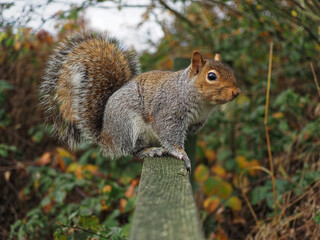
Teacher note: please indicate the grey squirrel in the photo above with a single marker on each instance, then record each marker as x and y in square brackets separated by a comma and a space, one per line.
[93, 89]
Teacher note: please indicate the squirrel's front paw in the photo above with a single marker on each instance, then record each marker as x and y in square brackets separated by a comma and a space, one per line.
[152, 152]
[178, 152]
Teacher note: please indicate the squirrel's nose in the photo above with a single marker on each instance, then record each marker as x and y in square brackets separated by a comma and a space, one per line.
[236, 92]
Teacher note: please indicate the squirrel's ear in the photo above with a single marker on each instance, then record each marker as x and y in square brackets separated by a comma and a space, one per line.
[197, 62]
[217, 57]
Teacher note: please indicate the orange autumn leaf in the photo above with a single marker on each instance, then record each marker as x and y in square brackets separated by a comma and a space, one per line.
[44, 159]
[47, 208]
[104, 205]
[106, 189]
[78, 172]
[254, 163]
[201, 144]
[278, 115]
[220, 171]
[242, 162]
[130, 191]
[211, 155]
[135, 182]
[90, 168]
[122, 205]
[64, 153]
[211, 204]
[219, 235]
[76, 169]
[61, 163]
[17, 45]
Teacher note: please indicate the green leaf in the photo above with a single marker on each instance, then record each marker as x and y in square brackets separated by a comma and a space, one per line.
[211, 185]
[90, 222]
[114, 233]
[130, 204]
[59, 196]
[111, 220]
[3, 153]
[84, 211]
[59, 235]
[224, 155]
[37, 136]
[234, 203]
[45, 201]
[230, 165]
[73, 215]
[4, 85]
[283, 125]
[316, 218]
[224, 190]
[258, 194]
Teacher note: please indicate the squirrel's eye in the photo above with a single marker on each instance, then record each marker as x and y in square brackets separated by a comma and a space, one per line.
[212, 76]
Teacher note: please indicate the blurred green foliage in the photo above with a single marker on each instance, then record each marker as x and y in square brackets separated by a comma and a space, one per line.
[79, 195]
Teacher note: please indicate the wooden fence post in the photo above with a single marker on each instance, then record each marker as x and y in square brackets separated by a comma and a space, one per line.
[165, 206]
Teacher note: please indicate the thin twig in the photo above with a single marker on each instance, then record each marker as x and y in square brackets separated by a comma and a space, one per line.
[18, 165]
[243, 188]
[84, 230]
[81, 192]
[250, 208]
[315, 77]
[268, 140]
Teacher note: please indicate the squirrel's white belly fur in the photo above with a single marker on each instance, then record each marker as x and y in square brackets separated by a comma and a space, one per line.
[142, 129]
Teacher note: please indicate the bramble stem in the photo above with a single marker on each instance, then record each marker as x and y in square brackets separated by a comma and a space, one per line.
[268, 139]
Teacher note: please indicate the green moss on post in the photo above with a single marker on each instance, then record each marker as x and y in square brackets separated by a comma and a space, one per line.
[165, 206]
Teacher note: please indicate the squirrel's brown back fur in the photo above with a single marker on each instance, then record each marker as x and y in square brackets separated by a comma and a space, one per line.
[81, 75]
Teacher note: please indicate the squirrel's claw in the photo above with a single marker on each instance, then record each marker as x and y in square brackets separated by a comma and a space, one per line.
[188, 164]
[179, 153]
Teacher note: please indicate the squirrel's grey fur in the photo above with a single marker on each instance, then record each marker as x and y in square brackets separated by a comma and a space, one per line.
[93, 90]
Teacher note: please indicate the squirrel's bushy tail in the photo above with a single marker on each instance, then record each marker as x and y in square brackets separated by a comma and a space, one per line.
[81, 75]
